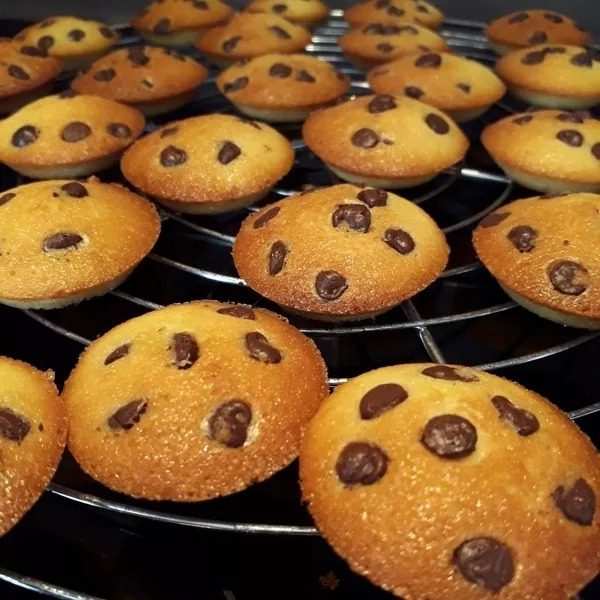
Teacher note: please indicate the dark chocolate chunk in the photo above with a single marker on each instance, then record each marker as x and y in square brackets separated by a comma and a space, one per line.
[305, 76]
[33, 51]
[45, 42]
[596, 150]
[17, 72]
[398, 239]
[553, 18]
[428, 61]
[379, 29]
[394, 11]
[583, 59]
[449, 436]
[422, 9]
[137, 56]
[577, 503]
[465, 87]
[574, 117]
[523, 237]
[119, 130]
[280, 70]
[266, 216]
[412, 91]
[230, 44]
[518, 18]
[13, 427]
[277, 257]
[185, 350]
[260, 349]
[538, 37]
[361, 463]
[167, 131]
[236, 85]
[5, 198]
[173, 157]
[330, 285]
[486, 562]
[228, 152]
[373, 197]
[384, 47]
[279, 32]
[279, 8]
[569, 278]
[76, 35]
[119, 352]
[494, 219]
[128, 415]
[450, 373]
[356, 216]
[571, 137]
[106, 32]
[162, 26]
[522, 120]
[75, 132]
[240, 312]
[521, 420]
[381, 103]
[364, 138]
[380, 399]
[533, 58]
[229, 423]
[74, 189]
[61, 240]
[437, 124]
[105, 75]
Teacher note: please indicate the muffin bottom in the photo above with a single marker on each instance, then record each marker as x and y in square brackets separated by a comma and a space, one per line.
[213, 208]
[551, 101]
[381, 182]
[74, 63]
[165, 105]
[176, 39]
[333, 318]
[275, 115]
[503, 49]
[462, 116]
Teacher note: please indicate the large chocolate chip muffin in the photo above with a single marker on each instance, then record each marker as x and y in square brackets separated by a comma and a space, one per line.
[439, 482]
[193, 401]
[390, 11]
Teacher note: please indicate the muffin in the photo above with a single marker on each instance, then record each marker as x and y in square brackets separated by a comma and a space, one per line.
[75, 42]
[548, 150]
[67, 136]
[247, 35]
[553, 76]
[153, 80]
[371, 140]
[178, 22]
[26, 73]
[370, 45]
[375, 11]
[439, 482]
[462, 88]
[544, 253]
[341, 253]
[533, 27]
[280, 87]
[65, 241]
[301, 12]
[193, 401]
[33, 429]
[208, 164]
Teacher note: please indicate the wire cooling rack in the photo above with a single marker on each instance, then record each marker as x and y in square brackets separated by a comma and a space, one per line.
[462, 318]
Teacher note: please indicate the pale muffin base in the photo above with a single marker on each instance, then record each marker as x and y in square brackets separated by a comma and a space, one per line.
[362, 64]
[151, 109]
[213, 208]
[550, 101]
[73, 63]
[337, 318]
[275, 115]
[176, 39]
[502, 49]
[13, 103]
[462, 116]
[381, 182]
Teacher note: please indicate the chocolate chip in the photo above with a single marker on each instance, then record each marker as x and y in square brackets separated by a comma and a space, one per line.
[494, 219]
[428, 61]
[282, 34]
[200, 4]
[33, 51]
[465, 87]
[277, 257]
[236, 85]
[382, 4]
[596, 151]
[67, 94]
[411, 30]
[74, 189]
[229, 45]
[522, 120]
[380, 399]
[571, 137]
[449, 436]
[583, 59]
[394, 11]
[384, 47]
[379, 29]
[61, 240]
[574, 117]
[117, 353]
[422, 8]
[364, 138]
[17, 72]
[24, 136]
[45, 42]
[280, 70]
[556, 19]
[305, 76]
[437, 124]
[76, 35]
[229, 423]
[523, 237]
[356, 216]
[538, 37]
[137, 56]
[361, 463]
[184, 349]
[279, 8]
[240, 312]
[412, 91]
[119, 130]
[5, 198]
[105, 75]
[450, 373]
[521, 420]
[381, 103]
[486, 562]
[373, 197]
[13, 427]
[259, 348]
[398, 239]
[569, 278]
[173, 157]
[330, 285]
[75, 132]
[228, 152]
[106, 32]
[127, 416]
[518, 18]
[265, 217]
[533, 58]
[577, 503]
[162, 26]
[167, 131]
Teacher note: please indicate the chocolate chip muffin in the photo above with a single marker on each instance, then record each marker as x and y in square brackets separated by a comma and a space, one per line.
[153, 80]
[544, 253]
[280, 87]
[369, 45]
[341, 253]
[26, 73]
[75, 42]
[247, 35]
[390, 11]
[193, 401]
[33, 430]
[462, 88]
[300, 12]
[439, 482]
[67, 136]
[371, 140]
[178, 22]
[548, 150]
[208, 164]
[533, 27]
[65, 241]
[553, 76]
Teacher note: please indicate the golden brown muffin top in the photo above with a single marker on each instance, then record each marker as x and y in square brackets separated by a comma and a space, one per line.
[384, 11]
[296, 11]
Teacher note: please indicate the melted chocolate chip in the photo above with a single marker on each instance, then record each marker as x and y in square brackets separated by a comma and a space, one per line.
[137, 56]
[465, 87]
[569, 278]
[364, 138]
[280, 70]
[583, 59]
[450, 373]
[259, 348]
[538, 37]
[279, 8]
[229, 423]
[162, 26]
[422, 8]
[118, 130]
[428, 61]
[356, 216]
[381, 103]
[173, 157]
[596, 151]
[240, 312]
[330, 285]
[128, 415]
[61, 240]
[384, 47]
[305, 76]
[17, 72]
[118, 353]
[76, 35]
[533, 58]
[277, 257]
[574, 117]
[553, 18]
[412, 91]
[518, 18]
[486, 562]
[394, 11]
[45, 42]
[437, 124]
[494, 219]
[522, 120]
[75, 132]
[105, 75]
[236, 85]
[4, 199]
[577, 503]
[449, 436]
[571, 137]
[33, 51]
[74, 189]
[380, 399]
[185, 350]
[106, 32]
[265, 217]
[230, 44]
[523, 237]
[228, 152]
[361, 463]
[279, 32]
[398, 239]
[521, 420]
[373, 197]
[379, 29]
[167, 131]
[13, 427]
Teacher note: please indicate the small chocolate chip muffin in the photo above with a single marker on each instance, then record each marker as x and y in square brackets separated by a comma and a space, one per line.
[67, 136]
[462, 88]
[65, 241]
[75, 42]
[247, 35]
[373, 140]
[439, 482]
[390, 11]
[33, 431]
[26, 74]
[282, 87]
[208, 164]
[178, 22]
[548, 150]
[553, 76]
[534, 27]
[369, 45]
[544, 253]
[304, 13]
[193, 401]
[153, 80]
[341, 253]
